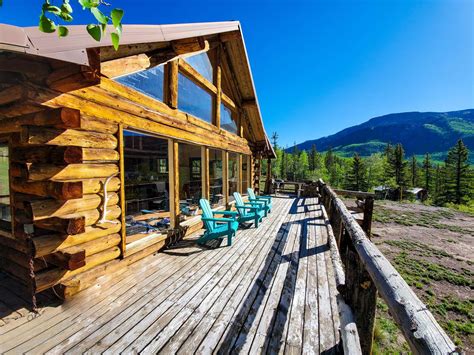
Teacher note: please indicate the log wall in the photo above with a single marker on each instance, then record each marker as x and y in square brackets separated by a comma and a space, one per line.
[59, 162]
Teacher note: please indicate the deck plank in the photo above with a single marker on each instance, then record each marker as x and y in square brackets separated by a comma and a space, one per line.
[272, 291]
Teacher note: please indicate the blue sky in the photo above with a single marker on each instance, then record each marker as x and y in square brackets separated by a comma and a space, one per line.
[321, 66]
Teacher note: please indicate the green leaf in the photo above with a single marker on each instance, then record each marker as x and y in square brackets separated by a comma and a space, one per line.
[95, 31]
[99, 15]
[65, 7]
[46, 25]
[88, 4]
[117, 15]
[52, 9]
[1, 2]
[65, 16]
[115, 40]
[62, 31]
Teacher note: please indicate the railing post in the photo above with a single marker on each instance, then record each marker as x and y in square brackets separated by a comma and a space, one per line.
[361, 295]
[368, 211]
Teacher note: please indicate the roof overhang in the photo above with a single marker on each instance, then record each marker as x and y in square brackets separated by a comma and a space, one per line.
[73, 48]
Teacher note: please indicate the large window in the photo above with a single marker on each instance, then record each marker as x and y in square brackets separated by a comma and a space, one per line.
[245, 173]
[233, 174]
[146, 185]
[215, 178]
[202, 64]
[149, 82]
[190, 178]
[5, 216]
[228, 120]
[193, 99]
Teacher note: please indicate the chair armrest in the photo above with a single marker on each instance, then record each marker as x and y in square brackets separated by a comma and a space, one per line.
[217, 219]
[264, 197]
[257, 201]
[251, 208]
[255, 204]
[230, 213]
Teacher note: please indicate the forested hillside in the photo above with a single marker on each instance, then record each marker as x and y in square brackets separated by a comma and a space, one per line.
[418, 132]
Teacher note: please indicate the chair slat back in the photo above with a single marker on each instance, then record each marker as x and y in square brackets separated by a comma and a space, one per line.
[239, 203]
[207, 213]
[251, 193]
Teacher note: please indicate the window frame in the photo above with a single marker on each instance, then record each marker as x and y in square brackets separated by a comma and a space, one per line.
[6, 226]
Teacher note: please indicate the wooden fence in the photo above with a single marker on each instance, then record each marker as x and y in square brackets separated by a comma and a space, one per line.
[364, 271]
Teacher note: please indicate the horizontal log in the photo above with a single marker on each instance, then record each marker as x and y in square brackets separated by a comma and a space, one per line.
[61, 155]
[144, 243]
[32, 69]
[95, 246]
[54, 189]
[25, 275]
[64, 225]
[186, 45]
[49, 278]
[349, 333]
[12, 94]
[48, 244]
[422, 332]
[16, 257]
[334, 252]
[358, 194]
[92, 217]
[93, 186]
[21, 245]
[42, 209]
[74, 259]
[41, 172]
[84, 280]
[67, 137]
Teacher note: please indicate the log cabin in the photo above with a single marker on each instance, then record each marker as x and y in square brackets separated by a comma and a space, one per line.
[105, 154]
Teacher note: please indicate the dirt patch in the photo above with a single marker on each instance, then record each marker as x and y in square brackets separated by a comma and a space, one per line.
[432, 248]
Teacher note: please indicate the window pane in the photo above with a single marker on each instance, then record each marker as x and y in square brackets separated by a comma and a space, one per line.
[193, 99]
[233, 174]
[245, 173]
[146, 184]
[5, 216]
[202, 64]
[190, 183]
[228, 121]
[215, 177]
[149, 82]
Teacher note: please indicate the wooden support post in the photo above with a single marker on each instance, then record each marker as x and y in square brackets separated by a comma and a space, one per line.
[240, 189]
[173, 159]
[368, 211]
[268, 181]
[218, 84]
[205, 172]
[171, 84]
[123, 232]
[225, 176]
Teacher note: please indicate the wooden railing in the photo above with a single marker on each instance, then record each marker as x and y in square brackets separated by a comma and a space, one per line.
[366, 271]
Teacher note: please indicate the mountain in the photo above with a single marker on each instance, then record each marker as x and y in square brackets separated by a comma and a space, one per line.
[419, 132]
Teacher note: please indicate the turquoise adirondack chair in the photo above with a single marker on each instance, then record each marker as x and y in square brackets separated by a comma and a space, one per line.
[217, 228]
[265, 200]
[248, 211]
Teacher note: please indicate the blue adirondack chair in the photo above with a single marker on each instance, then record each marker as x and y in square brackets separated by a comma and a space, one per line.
[248, 211]
[217, 228]
[266, 201]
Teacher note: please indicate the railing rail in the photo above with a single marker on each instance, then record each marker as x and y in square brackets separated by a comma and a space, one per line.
[368, 271]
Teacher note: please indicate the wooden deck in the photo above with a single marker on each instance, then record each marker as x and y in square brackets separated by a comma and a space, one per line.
[272, 291]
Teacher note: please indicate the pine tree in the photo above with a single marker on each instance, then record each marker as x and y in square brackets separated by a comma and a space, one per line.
[312, 158]
[283, 166]
[457, 174]
[398, 167]
[389, 172]
[357, 177]
[413, 172]
[275, 140]
[439, 196]
[427, 172]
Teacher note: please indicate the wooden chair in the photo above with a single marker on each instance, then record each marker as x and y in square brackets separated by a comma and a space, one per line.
[265, 200]
[217, 228]
[248, 211]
